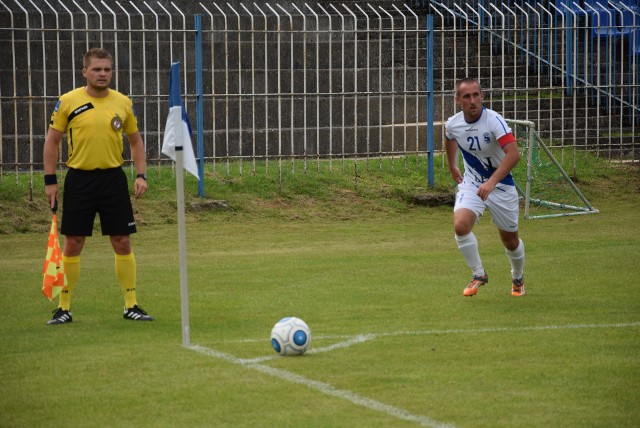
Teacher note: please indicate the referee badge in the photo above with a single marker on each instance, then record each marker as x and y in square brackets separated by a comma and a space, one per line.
[116, 123]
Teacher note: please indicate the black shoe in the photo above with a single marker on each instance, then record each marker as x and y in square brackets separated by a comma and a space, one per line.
[137, 314]
[60, 316]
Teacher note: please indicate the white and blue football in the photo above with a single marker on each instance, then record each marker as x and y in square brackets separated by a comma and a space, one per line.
[291, 336]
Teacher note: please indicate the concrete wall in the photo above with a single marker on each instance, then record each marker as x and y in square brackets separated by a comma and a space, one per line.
[257, 96]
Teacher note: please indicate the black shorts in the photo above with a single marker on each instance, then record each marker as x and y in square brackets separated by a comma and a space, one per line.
[102, 191]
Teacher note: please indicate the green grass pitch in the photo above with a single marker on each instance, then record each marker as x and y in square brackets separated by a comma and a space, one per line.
[394, 341]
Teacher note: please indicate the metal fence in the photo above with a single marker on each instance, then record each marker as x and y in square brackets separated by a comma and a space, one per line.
[322, 82]
[571, 67]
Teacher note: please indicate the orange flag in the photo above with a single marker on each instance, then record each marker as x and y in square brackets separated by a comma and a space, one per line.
[54, 279]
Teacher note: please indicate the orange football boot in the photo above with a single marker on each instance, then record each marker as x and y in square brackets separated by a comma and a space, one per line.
[517, 287]
[476, 282]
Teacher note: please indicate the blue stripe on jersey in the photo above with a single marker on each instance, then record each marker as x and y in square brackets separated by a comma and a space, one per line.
[504, 125]
[484, 171]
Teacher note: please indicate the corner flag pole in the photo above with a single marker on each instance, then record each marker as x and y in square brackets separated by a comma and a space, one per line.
[182, 244]
[182, 239]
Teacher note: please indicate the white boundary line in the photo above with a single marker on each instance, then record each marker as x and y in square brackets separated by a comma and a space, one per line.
[372, 336]
[369, 403]
[515, 329]
[358, 339]
[325, 388]
[355, 340]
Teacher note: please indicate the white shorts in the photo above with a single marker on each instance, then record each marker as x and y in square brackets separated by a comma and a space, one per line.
[503, 204]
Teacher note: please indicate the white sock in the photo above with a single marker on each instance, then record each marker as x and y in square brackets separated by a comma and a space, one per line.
[468, 246]
[516, 259]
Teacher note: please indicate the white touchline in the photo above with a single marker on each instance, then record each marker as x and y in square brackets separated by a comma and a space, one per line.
[397, 412]
[325, 388]
[361, 338]
[516, 329]
[371, 336]
[358, 339]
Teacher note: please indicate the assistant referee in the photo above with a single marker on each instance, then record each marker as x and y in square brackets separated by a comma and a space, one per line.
[94, 117]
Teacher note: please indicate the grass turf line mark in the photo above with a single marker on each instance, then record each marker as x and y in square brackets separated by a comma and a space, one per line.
[358, 339]
[371, 336]
[325, 388]
[511, 329]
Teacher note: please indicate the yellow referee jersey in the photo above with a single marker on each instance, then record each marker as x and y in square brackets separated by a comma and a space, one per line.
[94, 127]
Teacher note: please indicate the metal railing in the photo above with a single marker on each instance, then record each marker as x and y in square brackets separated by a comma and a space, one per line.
[319, 83]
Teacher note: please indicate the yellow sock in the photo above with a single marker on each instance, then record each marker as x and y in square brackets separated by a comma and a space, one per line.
[72, 270]
[126, 274]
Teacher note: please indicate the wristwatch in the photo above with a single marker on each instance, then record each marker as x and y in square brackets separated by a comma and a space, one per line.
[143, 176]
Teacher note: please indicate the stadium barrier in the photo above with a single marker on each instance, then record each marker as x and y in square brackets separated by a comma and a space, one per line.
[327, 82]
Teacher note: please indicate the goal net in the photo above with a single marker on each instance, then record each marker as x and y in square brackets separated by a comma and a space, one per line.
[543, 184]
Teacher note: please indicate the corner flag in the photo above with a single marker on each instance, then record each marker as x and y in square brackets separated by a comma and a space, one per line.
[54, 279]
[177, 145]
[177, 132]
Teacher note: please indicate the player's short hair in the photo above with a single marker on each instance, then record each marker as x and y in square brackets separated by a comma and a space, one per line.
[95, 53]
[466, 80]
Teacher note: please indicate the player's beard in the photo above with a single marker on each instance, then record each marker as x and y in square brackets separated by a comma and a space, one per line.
[474, 112]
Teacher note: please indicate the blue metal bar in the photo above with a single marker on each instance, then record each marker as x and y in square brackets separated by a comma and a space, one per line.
[430, 100]
[569, 53]
[199, 108]
[484, 35]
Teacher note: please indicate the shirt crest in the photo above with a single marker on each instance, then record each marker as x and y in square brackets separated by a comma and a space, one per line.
[116, 123]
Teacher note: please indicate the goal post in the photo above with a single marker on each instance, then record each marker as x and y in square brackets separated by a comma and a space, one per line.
[548, 190]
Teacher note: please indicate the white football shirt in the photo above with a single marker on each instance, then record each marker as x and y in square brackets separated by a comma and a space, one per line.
[481, 144]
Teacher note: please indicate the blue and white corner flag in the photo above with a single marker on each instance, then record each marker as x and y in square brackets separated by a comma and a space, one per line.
[177, 132]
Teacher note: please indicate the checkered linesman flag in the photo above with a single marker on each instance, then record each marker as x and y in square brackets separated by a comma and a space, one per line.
[54, 279]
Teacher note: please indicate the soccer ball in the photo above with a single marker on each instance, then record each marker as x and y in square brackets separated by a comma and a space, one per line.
[290, 336]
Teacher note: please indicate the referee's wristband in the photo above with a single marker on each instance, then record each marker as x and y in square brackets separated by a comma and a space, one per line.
[50, 179]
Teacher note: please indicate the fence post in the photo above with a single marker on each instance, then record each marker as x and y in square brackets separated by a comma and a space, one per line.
[304, 85]
[491, 52]
[158, 125]
[279, 99]
[466, 19]
[429, 66]
[240, 124]
[404, 83]
[393, 90]
[144, 80]
[115, 42]
[291, 87]
[28, 38]
[317, 88]
[442, 81]
[569, 53]
[253, 89]
[59, 91]
[417, 136]
[342, 52]
[330, 72]
[502, 51]
[199, 107]
[226, 85]
[266, 91]
[99, 16]
[379, 86]
[355, 87]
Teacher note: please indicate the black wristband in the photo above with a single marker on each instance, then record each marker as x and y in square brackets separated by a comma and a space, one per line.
[50, 179]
